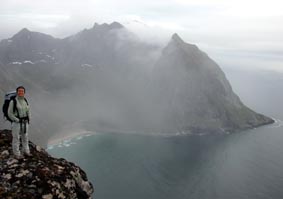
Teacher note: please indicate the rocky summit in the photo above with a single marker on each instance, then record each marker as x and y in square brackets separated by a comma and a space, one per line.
[39, 175]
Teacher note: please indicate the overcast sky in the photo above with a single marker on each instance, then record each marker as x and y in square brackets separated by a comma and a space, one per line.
[238, 33]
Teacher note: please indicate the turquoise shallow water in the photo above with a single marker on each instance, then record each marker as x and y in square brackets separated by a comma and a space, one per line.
[244, 165]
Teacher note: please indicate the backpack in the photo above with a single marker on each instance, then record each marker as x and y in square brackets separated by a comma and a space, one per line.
[8, 98]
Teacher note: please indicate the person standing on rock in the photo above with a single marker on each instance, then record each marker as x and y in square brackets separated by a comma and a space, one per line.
[19, 112]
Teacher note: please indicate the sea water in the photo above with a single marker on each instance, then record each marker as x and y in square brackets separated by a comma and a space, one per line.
[246, 165]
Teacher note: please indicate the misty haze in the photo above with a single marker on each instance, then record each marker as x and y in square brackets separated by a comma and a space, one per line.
[149, 119]
[106, 79]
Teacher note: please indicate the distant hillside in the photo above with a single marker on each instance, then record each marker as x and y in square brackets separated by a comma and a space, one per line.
[105, 78]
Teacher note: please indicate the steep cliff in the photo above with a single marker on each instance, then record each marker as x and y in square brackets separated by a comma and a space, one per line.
[39, 176]
[195, 95]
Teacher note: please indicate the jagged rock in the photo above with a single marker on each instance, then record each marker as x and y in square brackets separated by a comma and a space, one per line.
[39, 176]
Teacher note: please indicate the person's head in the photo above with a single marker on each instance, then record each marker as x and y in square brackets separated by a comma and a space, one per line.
[21, 91]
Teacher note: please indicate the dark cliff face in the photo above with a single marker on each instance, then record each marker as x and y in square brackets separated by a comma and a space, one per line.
[39, 176]
[197, 94]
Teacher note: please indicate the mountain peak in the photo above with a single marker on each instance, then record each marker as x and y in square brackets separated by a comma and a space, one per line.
[113, 25]
[116, 25]
[22, 33]
[177, 42]
[175, 37]
[24, 30]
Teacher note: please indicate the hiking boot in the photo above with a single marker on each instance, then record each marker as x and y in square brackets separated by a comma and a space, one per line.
[18, 157]
[27, 154]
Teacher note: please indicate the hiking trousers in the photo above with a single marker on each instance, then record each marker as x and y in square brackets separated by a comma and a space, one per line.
[20, 130]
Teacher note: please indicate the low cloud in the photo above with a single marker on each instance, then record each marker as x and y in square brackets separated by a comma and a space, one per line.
[214, 25]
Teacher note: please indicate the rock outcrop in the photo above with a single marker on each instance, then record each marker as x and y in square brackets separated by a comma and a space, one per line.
[40, 175]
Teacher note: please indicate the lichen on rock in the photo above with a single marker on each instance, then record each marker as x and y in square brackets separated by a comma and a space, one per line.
[40, 175]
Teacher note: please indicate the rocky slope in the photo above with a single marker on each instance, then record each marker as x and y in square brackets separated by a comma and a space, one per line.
[39, 176]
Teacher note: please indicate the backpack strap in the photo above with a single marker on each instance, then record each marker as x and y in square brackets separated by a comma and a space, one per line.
[26, 101]
[28, 115]
[15, 109]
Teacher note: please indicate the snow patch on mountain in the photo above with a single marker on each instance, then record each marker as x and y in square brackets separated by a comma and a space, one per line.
[28, 62]
[87, 65]
[16, 63]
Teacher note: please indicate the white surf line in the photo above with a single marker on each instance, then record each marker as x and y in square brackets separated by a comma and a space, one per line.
[70, 140]
[277, 124]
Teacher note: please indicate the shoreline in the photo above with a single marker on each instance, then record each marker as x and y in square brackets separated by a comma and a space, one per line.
[70, 134]
[62, 136]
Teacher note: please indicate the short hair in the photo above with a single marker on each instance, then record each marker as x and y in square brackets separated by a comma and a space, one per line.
[21, 87]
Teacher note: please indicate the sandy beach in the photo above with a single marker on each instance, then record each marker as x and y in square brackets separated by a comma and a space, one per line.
[67, 135]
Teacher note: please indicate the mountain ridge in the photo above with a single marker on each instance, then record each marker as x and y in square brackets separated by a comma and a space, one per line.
[132, 85]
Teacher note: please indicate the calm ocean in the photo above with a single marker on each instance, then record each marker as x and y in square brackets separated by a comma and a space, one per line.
[246, 165]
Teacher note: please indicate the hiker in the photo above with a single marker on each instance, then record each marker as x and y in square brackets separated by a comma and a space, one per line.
[19, 116]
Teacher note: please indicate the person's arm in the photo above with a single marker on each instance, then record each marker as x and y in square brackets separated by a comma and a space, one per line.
[11, 112]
